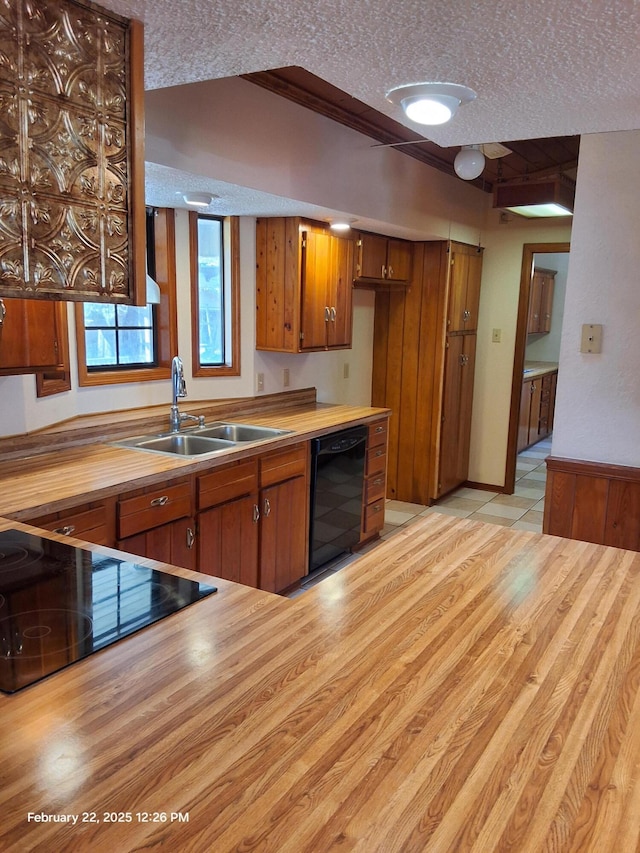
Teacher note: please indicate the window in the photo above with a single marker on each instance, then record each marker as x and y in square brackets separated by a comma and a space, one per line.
[128, 343]
[214, 292]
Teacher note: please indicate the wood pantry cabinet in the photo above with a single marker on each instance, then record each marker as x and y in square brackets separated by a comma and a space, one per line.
[382, 259]
[423, 365]
[30, 335]
[303, 286]
[541, 301]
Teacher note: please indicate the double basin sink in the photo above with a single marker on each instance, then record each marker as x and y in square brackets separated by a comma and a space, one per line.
[198, 441]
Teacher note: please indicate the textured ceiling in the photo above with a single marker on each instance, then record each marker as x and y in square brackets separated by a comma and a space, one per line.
[546, 69]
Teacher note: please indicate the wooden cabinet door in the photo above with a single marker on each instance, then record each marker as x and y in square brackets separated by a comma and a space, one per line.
[228, 541]
[525, 415]
[372, 256]
[169, 543]
[534, 419]
[458, 275]
[340, 296]
[535, 297]
[315, 272]
[283, 534]
[399, 257]
[546, 303]
[29, 335]
[474, 277]
[456, 411]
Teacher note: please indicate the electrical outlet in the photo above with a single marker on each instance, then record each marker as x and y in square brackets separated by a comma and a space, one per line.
[285, 377]
[496, 336]
[345, 370]
[259, 382]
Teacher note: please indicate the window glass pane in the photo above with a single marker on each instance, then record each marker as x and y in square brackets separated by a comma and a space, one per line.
[210, 292]
[97, 314]
[135, 346]
[100, 346]
[133, 315]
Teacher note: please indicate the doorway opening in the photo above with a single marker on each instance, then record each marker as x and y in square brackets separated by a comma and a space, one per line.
[530, 260]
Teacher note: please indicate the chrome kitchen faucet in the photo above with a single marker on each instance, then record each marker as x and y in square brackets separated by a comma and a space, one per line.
[179, 387]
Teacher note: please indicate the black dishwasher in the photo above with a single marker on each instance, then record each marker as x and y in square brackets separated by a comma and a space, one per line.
[337, 483]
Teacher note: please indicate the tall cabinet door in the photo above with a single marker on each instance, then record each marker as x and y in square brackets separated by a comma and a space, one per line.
[456, 412]
[339, 330]
[283, 534]
[228, 541]
[315, 309]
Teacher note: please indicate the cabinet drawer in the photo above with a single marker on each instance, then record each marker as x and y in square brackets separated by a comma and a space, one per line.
[91, 524]
[227, 484]
[376, 460]
[374, 488]
[282, 465]
[373, 519]
[155, 507]
[377, 433]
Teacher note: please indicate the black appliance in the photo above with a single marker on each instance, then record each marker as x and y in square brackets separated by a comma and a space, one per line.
[337, 483]
[60, 603]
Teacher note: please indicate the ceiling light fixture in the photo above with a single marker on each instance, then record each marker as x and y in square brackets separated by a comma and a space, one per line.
[541, 198]
[198, 199]
[431, 103]
[469, 162]
[340, 224]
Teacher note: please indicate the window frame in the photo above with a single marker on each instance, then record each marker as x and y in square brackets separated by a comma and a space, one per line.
[231, 283]
[166, 316]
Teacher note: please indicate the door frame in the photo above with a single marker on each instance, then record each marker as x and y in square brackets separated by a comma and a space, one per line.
[529, 250]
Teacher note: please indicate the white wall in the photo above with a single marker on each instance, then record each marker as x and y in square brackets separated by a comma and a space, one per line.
[598, 399]
[499, 295]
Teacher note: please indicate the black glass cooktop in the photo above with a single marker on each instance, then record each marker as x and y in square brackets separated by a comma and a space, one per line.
[59, 604]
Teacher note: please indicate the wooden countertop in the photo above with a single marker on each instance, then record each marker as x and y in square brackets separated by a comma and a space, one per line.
[535, 369]
[30, 486]
[463, 686]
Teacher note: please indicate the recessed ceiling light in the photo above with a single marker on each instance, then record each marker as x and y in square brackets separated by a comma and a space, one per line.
[431, 103]
[340, 224]
[198, 199]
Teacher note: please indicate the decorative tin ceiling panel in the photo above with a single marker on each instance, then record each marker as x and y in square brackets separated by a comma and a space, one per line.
[64, 162]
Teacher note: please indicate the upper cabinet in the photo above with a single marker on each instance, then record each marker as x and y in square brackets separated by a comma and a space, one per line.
[31, 335]
[465, 272]
[303, 286]
[382, 259]
[72, 217]
[541, 301]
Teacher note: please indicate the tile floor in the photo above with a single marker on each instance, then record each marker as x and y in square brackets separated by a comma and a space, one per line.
[522, 510]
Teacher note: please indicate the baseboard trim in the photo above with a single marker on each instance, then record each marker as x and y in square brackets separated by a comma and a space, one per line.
[485, 487]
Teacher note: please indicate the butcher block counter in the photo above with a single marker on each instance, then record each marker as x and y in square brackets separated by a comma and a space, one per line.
[463, 686]
[79, 464]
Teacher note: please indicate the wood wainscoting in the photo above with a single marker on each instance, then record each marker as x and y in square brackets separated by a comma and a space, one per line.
[593, 502]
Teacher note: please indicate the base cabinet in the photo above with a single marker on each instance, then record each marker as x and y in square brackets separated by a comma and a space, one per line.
[283, 534]
[169, 543]
[92, 522]
[228, 541]
[375, 479]
[537, 403]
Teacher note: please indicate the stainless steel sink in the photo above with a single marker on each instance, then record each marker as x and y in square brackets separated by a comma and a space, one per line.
[177, 443]
[240, 432]
[199, 441]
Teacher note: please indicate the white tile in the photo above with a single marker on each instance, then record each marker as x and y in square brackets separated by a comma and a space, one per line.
[503, 511]
[528, 491]
[475, 494]
[404, 506]
[537, 475]
[396, 518]
[448, 510]
[527, 525]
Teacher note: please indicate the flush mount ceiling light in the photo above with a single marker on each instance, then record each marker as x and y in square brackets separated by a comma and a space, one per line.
[541, 198]
[431, 103]
[340, 224]
[469, 162]
[198, 199]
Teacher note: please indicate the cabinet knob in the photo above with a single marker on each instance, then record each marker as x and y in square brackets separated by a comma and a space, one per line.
[390, 272]
[384, 271]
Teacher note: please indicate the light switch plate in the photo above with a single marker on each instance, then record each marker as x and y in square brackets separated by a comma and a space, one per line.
[591, 338]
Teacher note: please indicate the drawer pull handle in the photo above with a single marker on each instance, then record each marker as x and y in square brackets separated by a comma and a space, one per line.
[267, 508]
[256, 514]
[67, 530]
[380, 453]
[160, 501]
[378, 482]
[379, 429]
[376, 507]
[191, 538]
